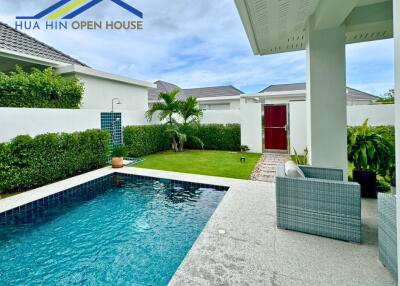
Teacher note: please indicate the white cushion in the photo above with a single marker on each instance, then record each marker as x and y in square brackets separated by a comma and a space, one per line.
[292, 170]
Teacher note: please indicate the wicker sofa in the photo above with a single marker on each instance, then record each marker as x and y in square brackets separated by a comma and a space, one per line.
[321, 203]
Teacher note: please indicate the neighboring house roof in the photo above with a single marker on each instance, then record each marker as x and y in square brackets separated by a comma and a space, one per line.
[202, 92]
[352, 94]
[162, 86]
[14, 40]
[214, 91]
[285, 87]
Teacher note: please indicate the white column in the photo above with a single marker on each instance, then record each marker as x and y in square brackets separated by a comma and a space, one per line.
[396, 28]
[326, 97]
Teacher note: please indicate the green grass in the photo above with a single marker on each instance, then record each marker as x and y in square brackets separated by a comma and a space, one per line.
[212, 163]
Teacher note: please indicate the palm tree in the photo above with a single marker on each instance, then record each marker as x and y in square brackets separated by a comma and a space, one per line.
[167, 106]
[189, 110]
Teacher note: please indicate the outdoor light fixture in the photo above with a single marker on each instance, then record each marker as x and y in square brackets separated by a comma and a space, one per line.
[114, 101]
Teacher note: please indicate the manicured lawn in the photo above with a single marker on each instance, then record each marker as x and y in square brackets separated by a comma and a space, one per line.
[212, 163]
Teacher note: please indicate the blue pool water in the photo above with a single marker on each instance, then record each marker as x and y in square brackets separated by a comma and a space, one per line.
[132, 232]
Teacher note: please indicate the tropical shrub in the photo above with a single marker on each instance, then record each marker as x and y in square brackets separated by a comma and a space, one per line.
[300, 159]
[39, 89]
[369, 151]
[119, 151]
[27, 162]
[189, 112]
[144, 140]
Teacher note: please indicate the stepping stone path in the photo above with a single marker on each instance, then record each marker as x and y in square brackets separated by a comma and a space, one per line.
[266, 166]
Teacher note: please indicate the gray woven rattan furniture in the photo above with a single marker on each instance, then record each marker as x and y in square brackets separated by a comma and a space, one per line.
[321, 203]
[387, 232]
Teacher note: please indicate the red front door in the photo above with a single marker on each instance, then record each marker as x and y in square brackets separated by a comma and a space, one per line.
[275, 133]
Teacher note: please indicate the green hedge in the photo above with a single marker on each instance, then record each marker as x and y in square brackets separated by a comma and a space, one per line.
[39, 89]
[149, 139]
[144, 140]
[215, 136]
[27, 163]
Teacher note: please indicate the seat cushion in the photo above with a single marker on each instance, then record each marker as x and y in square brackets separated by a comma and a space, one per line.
[293, 170]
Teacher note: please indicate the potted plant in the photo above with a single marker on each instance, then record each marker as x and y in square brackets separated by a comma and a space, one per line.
[118, 154]
[369, 153]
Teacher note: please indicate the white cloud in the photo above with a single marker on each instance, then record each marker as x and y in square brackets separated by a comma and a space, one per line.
[193, 43]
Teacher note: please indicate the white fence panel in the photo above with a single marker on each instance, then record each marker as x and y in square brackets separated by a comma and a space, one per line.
[221, 116]
[382, 114]
[34, 121]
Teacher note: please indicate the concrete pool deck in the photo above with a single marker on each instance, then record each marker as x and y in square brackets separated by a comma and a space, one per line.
[240, 245]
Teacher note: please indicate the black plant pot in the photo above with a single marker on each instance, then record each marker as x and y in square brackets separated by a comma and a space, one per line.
[367, 181]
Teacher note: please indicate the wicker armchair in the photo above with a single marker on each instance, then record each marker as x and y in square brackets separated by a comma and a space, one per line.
[321, 203]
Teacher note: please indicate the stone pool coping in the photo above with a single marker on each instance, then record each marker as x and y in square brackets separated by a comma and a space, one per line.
[48, 190]
[240, 244]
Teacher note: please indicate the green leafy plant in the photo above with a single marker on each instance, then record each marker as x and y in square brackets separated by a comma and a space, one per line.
[39, 89]
[119, 151]
[189, 110]
[178, 138]
[300, 159]
[27, 163]
[368, 150]
[166, 107]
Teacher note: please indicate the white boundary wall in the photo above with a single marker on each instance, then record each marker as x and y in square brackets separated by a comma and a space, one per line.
[221, 116]
[382, 114]
[34, 121]
[251, 127]
[298, 126]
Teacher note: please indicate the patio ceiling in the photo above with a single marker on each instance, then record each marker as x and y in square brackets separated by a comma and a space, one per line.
[276, 26]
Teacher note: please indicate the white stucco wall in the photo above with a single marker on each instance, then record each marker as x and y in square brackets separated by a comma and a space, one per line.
[33, 121]
[379, 114]
[252, 129]
[298, 127]
[227, 104]
[235, 104]
[100, 91]
[251, 133]
[221, 116]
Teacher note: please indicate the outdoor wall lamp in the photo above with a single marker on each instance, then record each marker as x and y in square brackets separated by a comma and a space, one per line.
[114, 101]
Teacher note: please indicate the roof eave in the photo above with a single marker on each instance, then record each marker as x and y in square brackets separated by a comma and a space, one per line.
[31, 59]
[248, 25]
[77, 69]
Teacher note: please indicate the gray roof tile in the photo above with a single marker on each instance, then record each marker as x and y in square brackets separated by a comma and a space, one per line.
[215, 91]
[14, 40]
[352, 94]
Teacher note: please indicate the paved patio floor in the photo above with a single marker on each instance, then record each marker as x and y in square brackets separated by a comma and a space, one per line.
[266, 166]
[242, 246]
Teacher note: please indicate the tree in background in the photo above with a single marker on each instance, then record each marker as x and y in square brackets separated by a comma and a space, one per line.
[189, 110]
[167, 106]
[388, 97]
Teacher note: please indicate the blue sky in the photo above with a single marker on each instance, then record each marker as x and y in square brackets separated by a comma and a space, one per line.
[195, 44]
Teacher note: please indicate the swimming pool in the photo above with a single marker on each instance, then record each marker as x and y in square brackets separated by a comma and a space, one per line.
[119, 229]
